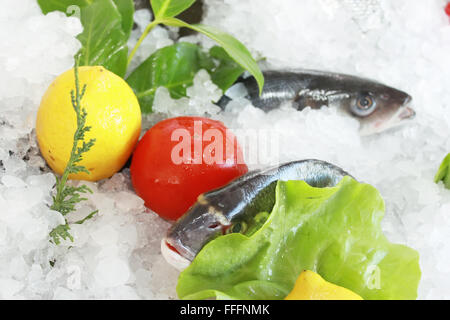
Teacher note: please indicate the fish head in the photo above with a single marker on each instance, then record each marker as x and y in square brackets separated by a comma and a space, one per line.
[377, 107]
[199, 225]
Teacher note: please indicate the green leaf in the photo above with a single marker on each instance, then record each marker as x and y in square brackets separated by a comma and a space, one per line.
[237, 51]
[103, 39]
[227, 72]
[443, 173]
[335, 232]
[126, 10]
[173, 67]
[125, 7]
[169, 8]
[61, 5]
[107, 26]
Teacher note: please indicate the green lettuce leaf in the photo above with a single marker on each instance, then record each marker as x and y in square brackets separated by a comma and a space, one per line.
[335, 232]
[443, 173]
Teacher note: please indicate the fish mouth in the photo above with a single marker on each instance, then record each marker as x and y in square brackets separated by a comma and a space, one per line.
[406, 113]
[178, 246]
[177, 253]
[172, 255]
[403, 114]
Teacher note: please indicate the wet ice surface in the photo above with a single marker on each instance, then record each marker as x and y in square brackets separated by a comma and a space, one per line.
[117, 254]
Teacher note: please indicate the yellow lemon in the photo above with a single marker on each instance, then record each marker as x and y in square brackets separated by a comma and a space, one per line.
[311, 286]
[112, 112]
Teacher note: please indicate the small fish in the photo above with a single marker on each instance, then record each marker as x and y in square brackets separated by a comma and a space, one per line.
[376, 106]
[233, 207]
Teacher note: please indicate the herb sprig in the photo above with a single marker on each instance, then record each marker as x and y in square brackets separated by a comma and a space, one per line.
[68, 196]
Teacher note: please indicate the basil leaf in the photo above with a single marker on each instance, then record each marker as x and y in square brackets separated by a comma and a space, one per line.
[237, 51]
[107, 26]
[103, 39]
[126, 9]
[227, 72]
[169, 8]
[61, 5]
[173, 67]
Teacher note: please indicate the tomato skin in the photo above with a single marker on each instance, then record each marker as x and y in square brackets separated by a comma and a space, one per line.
[447, 9]
[170, 189]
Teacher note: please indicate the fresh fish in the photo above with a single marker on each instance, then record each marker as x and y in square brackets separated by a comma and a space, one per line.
[376, 106]
[235, 205]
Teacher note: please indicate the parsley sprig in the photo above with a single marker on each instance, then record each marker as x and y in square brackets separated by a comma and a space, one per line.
[68, 196]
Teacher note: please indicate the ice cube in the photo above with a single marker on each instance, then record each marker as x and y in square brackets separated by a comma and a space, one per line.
[112, 272]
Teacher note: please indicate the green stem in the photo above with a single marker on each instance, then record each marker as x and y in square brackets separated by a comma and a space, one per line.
[147, 30]
[65, 175]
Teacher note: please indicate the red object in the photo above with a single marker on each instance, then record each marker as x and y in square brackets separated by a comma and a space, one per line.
[180, 158]
[447, 9]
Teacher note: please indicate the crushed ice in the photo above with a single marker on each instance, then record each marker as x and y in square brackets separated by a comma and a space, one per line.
[117, 254]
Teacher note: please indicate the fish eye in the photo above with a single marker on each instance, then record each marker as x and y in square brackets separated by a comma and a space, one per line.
[365, 102]
[238, 227]
[364, 106]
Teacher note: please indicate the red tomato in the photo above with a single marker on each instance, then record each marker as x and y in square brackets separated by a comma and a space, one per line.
[447, 9]
[180, 158]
